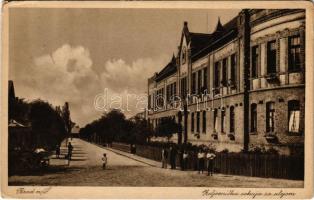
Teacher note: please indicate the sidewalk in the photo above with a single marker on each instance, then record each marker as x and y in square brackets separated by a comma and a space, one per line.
[146, 161]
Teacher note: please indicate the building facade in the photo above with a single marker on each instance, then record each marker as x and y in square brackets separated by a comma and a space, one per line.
[239, 87]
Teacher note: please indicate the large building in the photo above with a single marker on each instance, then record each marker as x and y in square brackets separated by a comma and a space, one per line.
[239, 87]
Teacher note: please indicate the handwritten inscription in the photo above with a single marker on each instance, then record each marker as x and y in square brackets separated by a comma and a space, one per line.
[34, 191]
[212, 193]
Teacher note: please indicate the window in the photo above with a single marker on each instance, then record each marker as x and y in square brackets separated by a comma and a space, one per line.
[192, 122]
[160, 98]
[216, 73]
[271, 57]
[183, 56]
[149, 101]
[174, 89]
[231, 119]
[183, 87]
[294, 54]
[222, 125]
[253, 117]
[198, 122]
[255, 58]
[199, 81]
[233, 68]
[204, 80]
[204, 122]
[215, 121]
[193, 83]
[224, 72]
[270, 117]
[294, 116]
[168, 92]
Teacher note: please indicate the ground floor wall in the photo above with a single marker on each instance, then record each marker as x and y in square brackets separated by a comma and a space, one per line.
[284, 141]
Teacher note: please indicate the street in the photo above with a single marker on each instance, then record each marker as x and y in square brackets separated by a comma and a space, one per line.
[125, 169]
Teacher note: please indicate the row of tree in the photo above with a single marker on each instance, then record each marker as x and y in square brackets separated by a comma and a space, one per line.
[49, 125]
[114, 127]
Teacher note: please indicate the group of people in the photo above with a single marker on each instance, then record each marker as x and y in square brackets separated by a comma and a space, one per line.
[204, 158]
[70, 150]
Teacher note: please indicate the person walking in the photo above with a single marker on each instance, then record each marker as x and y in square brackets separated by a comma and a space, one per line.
[201, 160]
[210, 156]
[57, 151]
[164, 158]
[70, 150]
[184, 160]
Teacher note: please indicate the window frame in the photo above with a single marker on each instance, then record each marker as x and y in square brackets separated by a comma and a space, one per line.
[198, 118]
[253, 124]
[224, 72]
[192, 122]
[233, 68]
[255, 61]
[294, 67]
[272, 57]
[294, 105]
[270, 117]
[204, 122]
[232, 119]
[222, 120]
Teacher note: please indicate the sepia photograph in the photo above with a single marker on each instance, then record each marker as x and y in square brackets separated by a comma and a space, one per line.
[157, 96]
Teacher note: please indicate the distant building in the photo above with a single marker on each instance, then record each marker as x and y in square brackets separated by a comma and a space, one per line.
[75, 132]
[241, 86]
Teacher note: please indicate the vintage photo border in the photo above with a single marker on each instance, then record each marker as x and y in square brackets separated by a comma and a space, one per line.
[158, 192]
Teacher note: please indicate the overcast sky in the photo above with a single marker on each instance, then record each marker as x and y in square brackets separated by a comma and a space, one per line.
[73, 55]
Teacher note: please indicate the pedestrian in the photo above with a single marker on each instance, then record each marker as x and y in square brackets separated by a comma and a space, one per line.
[104, 161]
[210, 162]
[70, 150]
[184, 160]
[57, 151]
[164, 158]
[173, 156]
[201, 161]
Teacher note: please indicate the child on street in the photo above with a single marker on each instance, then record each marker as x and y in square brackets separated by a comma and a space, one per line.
[104, 161]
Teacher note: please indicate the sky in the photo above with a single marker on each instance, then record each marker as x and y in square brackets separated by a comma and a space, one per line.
[84, 56]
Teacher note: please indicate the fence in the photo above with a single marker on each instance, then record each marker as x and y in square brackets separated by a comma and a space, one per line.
[121, 147]
[258, 165]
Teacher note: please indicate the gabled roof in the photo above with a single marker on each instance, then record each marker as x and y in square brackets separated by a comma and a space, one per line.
[222, 35]
[199, 41]
[11, 90]
[168, 70]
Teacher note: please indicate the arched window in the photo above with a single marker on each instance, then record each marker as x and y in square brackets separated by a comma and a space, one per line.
[231, 119]
[270, 117]
[215, 121]
[253, 117]
[294, 116]
[204, 122]
[183, 56]
[198, 122]
[223, 115]
[192, 122]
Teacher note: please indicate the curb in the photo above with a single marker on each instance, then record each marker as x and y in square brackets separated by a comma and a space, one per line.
[122, 154]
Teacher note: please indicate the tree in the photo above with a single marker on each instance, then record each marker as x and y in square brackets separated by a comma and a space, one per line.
[67, 118]
[167, 127]
[48, 126]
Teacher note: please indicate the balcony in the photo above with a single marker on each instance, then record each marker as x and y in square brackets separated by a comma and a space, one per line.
[232, 84]
[271, 137]
[231, 136]
[214, 135]
[272, 78]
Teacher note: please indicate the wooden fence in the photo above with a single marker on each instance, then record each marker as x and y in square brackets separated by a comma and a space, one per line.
[258, 165]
